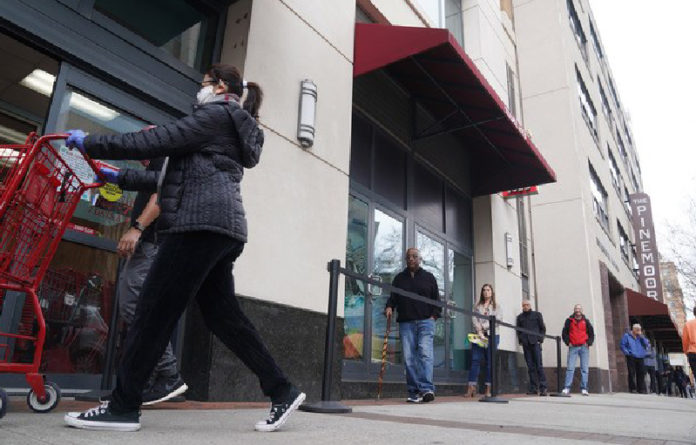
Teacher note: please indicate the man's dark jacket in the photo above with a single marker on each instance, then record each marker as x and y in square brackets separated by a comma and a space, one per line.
[533, 321]
[565, 335]
[422, 283]
[208, 151]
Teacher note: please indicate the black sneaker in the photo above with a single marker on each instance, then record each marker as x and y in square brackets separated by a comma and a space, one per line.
[102, 418]
[428, 396]
[281, 411]
[165, 388]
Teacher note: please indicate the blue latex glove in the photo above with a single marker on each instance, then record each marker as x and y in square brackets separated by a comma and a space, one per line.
[109, 175]
[76, 140]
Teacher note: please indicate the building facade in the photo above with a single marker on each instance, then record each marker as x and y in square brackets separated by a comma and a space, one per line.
[673, 294]
[583, 234]
[404, 154]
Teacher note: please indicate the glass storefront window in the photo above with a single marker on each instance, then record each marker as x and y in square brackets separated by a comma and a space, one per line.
[104, 212]
[356, 260]
[182, 28]
[433, 260]
[388, 254]
[461, 295]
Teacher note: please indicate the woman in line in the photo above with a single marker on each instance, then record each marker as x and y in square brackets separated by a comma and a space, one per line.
[205, 226]
[486, 306]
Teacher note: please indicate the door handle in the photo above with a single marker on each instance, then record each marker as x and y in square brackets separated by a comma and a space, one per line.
[373, 290]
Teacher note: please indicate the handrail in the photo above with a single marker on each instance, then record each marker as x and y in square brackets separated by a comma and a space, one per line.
[327, 405]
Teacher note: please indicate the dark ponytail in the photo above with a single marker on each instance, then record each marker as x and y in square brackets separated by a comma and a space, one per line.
[231, 77]
[252, 103]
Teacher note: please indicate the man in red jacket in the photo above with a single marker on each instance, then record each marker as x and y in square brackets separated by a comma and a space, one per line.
[578, 335]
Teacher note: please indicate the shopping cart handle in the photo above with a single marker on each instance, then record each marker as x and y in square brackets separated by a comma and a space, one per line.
[90, 162]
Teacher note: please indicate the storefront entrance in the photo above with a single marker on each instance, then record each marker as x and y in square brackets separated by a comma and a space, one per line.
[397, 202]
[39, 93]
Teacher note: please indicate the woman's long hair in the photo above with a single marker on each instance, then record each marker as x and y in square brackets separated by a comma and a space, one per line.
[481, 299]
[231, 77]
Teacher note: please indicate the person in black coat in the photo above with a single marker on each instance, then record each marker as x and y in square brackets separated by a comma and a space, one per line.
[203, 216]
[531, 345]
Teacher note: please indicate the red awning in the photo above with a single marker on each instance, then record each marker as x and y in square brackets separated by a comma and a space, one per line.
[435, 71]
[655, 319]
[639, 304]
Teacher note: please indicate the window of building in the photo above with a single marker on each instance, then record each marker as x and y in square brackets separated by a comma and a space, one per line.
[636, 184]
[595, 43]
[599, 199]
[577, 29]
[614, 169]
[185, 29]
[445, 14]
[512, 106]
[589, 113]
[605, 102]
[624, 242]
[612, 89]
[627, 201]
[522, 235]
[622, 147]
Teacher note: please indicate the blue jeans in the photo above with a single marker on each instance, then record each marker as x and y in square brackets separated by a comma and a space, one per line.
[573, 353]
[417, 343]
[477, 353]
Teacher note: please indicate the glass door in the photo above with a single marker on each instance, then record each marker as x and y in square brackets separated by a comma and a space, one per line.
[78, 292]
[387, 262]
[433, 260]
[460, 294]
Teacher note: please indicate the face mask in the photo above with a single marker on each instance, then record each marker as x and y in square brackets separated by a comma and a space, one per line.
[205, 94]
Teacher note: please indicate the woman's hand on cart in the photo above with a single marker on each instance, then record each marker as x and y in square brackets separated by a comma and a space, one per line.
[76, 140]
[108, 175]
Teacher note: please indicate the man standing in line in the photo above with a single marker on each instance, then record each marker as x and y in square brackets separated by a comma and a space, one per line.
[635, 347]
[416, 326]
[578, 335]
[531, 345]
[138, 245]
[689, 342]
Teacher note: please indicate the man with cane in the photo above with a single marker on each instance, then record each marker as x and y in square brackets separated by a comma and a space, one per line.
[416, 326]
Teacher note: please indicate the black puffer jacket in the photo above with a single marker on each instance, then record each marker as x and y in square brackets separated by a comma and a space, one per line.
[208, 151]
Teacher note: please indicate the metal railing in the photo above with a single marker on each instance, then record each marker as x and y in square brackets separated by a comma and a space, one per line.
[328, 405]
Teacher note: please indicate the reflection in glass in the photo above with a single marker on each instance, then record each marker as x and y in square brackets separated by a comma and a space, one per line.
[76, 296]
[433, 260]
[103, 212]
[181, 28]
[356, 261]
[460, 277]
[388, 253]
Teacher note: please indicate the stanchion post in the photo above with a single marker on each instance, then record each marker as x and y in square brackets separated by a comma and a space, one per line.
[326, 405]
[558, 370]
[492, 364]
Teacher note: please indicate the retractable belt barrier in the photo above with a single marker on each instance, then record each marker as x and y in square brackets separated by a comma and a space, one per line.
[328, 405]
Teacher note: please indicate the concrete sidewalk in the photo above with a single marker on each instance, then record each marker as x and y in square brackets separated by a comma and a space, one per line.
[618, 419]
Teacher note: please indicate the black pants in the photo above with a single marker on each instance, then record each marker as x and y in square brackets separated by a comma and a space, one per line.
[692, 362]
[191, 264]
[636, 373]
[130, 285]
[537, 378]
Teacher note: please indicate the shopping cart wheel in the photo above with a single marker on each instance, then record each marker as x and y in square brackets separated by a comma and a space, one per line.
[52, 398]
[3, 403]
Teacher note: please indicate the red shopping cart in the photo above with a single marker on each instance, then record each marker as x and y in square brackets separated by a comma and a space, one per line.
[39, 192]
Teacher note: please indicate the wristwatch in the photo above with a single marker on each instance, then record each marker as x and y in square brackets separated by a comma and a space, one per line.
[139, 226]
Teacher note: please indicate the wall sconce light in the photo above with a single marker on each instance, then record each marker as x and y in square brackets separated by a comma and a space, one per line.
[508, 250]
[307, 114]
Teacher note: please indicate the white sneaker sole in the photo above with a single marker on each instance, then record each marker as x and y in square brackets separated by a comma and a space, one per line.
[266, 428]
[72, 420]
[177, 392]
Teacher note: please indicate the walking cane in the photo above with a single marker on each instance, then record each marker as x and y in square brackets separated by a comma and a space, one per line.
[384, 358]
